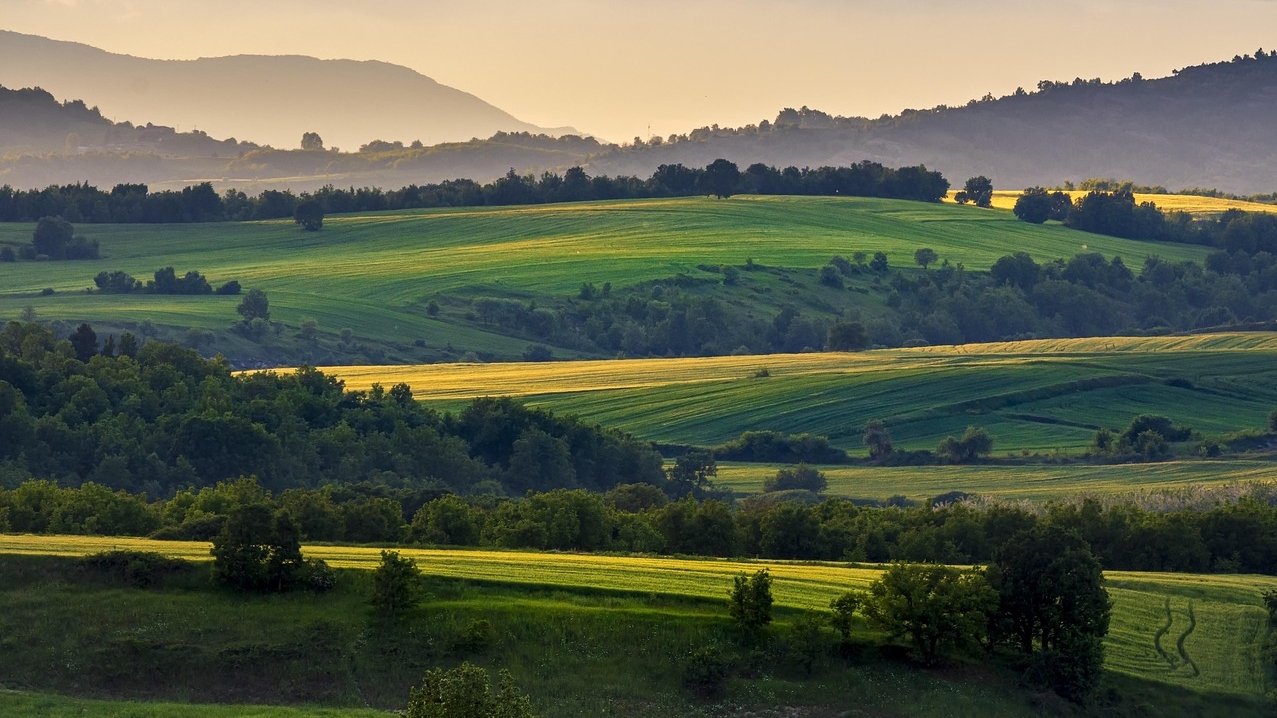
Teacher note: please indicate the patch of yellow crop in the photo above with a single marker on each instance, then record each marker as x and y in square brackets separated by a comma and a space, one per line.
[1005, 199]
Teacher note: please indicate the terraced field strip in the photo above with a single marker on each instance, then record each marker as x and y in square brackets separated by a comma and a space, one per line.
[1028, 482]
[1034, 396]
[1005, 199]
[1228, 624]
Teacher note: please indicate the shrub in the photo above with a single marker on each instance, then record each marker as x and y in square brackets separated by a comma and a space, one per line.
[801, 477]
[396, 584]
[749, 602]
[476, 637]
[830, 276]
[466, 692]
[137, 568]
[706, 672]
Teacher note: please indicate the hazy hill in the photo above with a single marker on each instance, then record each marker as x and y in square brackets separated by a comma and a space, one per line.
[265, 99]
[1205, 126]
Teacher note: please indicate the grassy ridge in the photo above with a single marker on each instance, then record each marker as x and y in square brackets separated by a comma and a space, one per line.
[375, 272]
[1032, 396]
[1228, 624]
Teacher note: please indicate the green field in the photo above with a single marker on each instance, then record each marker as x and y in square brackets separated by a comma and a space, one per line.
[1033, 396]
[1202, 634]
[375, 273]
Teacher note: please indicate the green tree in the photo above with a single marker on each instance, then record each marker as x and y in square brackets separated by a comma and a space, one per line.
[975, 443]
[749, 602]
[254, 305]
[310, 215]
[925, 256]
[312, 141]
[847, 337]
[978, 191]
[51, 237]
[691, 474]
[1272, 420]
[801, 477]
[257, 550]
[842, 613]
[879, 263]
[807, 640]
[721, 178]
[85, 343]
[1052, 599]
[1033, 206]
[396, 584]
[932, 605]
[466, 692]
[878, 439]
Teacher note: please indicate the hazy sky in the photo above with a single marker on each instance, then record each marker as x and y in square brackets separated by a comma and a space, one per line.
[619, 67]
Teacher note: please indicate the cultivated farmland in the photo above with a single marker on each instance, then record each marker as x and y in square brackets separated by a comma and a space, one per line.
[1033, 396]
[376, 273]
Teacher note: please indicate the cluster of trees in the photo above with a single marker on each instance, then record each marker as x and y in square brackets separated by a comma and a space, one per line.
[1229, 536]
[135, 203]
[166, 281]
[54, 238]
[157, 418]
[1117, 214]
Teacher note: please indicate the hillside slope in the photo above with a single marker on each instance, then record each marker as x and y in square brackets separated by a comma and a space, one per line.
[1206, 126]
[265, 99]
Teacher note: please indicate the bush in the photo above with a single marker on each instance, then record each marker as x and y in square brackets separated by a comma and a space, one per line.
[317, 576]
[830, 276]
[801, 477]
[476, 637]
[396, 584]
[465, 692]
[136, 568]
[749, 602]
[1272, 420]
[706, 672]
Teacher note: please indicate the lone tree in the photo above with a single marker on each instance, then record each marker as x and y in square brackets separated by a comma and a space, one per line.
[749, 603]
[978, 191]
[312, 141]
[878, 439]
[310, 215]
[925, 256]
[396, 584]
[254, 305]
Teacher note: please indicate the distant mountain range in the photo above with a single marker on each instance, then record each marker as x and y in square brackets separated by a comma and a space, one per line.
[270, 100]
[1208, 126]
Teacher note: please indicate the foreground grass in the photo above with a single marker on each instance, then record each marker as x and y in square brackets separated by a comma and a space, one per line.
[1032, 396]
[593, 600]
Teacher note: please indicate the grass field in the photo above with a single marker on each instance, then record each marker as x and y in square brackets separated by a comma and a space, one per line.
[375, 272]
[1036, 482]
[1202, 633]
[1035, 396]
[1005, 199]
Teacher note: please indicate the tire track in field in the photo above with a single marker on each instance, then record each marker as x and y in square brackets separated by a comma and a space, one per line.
[1179, 644]
[1157, 637]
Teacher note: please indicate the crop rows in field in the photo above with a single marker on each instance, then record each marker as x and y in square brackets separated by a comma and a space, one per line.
[1032, 396]
[1222, 635]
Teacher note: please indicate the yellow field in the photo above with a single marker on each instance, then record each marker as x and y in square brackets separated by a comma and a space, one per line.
[1005, 199]
[468, 381]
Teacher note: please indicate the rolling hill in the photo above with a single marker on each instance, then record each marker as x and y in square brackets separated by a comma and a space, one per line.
[378, 273]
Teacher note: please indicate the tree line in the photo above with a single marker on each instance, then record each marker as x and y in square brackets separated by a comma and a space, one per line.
[1236, 534]
[135, 203]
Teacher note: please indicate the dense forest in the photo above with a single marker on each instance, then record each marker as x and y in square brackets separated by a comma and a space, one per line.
[155, 417]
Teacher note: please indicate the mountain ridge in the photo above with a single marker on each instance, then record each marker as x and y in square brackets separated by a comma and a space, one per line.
[266, 98]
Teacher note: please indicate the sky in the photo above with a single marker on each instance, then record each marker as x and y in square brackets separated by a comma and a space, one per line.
[626, 68]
